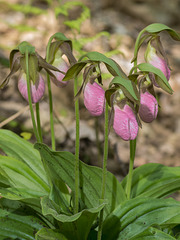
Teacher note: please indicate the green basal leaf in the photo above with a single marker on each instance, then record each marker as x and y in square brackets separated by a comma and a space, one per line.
[135, 216]
[154, 180]
[61, 166]
[20, 193]
[49, 234]
[161, 79]
[26, 47]
[153, 234]
[75, 226]
[128, 87]
[21, 176]
[158, 27]
[17, 221]
[17, 147]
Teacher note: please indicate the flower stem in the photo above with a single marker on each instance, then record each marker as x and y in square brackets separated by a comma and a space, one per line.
[97, 141]
[29, 97]
[104, 172]
[131, 164]
[38, 122]
[76, 201]
[53, 143]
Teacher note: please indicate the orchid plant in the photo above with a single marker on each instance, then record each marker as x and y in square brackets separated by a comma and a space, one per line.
[49, 194]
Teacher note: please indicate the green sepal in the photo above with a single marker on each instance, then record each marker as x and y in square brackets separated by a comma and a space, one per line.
[33, 67]
[150, 31]
[56, 45]
[111, 65]
[160, 79]
[14, 68]
[159, 27]
[25, 47]
[74, 70]
[128, 87]
[108, 95]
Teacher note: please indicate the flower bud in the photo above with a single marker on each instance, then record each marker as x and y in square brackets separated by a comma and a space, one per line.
[148, 107]
[152, 58]
[94, 98]
[37, 89]
[125, 124]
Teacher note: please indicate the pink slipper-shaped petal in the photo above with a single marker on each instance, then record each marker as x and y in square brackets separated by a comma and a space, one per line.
[148, 108]
[37, 91]
[62, 66]
[94, 98]
[152, 58]
[125, 124]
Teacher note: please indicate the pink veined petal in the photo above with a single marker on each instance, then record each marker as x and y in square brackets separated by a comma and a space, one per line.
[94, 98]
[59, 76]
[37, 92]
[125, 124]
[161, 64]
[148, 108]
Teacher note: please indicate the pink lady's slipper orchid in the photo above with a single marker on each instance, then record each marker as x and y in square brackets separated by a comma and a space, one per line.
[125, 124]
[37, 89]
[152, 58]
[60, 64]
[148, 107]
[94, 98]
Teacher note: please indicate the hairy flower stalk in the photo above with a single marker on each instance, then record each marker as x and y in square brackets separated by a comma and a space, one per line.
[148, 107]
[37, 89]
[94, 98]
[125, 124]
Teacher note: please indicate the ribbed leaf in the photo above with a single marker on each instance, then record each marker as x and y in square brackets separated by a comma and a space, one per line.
[75, 226]
[153, 234]
[61, 166]
[49, 234]
[17, 147]
[21, 176]
[17, 221]
[135, 216]
[154, 180]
